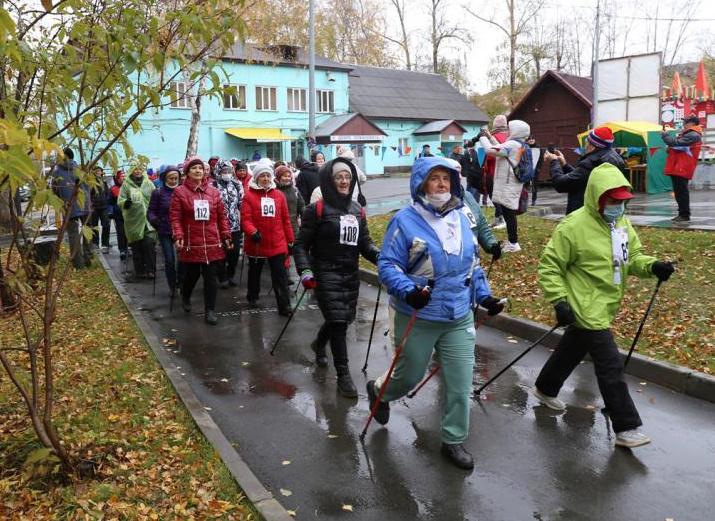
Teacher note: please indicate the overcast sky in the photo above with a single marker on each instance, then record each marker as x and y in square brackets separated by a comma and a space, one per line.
[632, 14]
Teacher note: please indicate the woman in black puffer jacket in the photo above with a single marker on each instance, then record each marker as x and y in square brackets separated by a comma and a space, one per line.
[332, 236]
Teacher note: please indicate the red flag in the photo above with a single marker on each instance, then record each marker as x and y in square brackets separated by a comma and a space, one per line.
[653, 150]
[701, 82]
[677, 86]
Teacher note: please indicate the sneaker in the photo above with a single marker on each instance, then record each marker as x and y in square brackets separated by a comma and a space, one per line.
[253, 304]
[457, 454]
[210, 317]
[499, 223]
[122, 255]
[680, 219]
[550, 401]
[510, 247]
[382, 415]
[632, 438]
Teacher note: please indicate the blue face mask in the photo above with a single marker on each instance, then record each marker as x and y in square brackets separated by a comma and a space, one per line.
[611, 212]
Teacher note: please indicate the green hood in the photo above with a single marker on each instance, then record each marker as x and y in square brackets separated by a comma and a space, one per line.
[603, 178]
[577, 264]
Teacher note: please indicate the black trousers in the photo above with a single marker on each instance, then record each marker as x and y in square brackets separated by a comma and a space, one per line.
[210, 272]
[100, 215]
[682, 195]
[227, 268]
[119, 227]
[336, 333]
[511, 227]
[144, 256]
[279, 280]
[608, 365]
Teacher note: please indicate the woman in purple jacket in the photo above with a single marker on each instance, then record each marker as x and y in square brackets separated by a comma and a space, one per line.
[158, 217]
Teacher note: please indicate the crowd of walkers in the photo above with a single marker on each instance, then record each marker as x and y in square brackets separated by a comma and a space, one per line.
[208, 216]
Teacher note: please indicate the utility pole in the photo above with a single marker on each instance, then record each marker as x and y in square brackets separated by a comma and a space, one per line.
[311, 70]
[594, 114]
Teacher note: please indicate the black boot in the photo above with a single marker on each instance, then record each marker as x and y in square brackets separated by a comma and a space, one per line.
[382, 415]
[210, 317]
[186, 303]
[345, 382]
[458, 455]
[321, 359]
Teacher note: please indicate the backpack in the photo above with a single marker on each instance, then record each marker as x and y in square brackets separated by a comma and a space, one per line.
[524, 169]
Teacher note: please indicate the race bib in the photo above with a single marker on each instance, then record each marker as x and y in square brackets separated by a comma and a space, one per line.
[349, 230]
[201, 209]
[472, 219]
[619, 241]
[268, 207]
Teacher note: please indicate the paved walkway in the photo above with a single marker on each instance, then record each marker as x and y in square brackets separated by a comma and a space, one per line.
[300, 437]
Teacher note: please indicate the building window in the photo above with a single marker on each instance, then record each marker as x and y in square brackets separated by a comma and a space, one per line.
[325, 101]
[274, 151]
[404, 143]
[234, 97]
[266, 98]
[297, 100]
[180, 98]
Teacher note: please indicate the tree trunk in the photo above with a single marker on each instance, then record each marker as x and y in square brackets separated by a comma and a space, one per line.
[192, 144]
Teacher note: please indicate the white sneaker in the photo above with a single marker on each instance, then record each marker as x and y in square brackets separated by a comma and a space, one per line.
[499, 224]
[632, 438]
[512, 247]
[551, 402]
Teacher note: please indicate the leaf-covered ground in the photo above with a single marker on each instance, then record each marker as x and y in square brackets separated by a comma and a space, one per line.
[113, 399]
[681, 326]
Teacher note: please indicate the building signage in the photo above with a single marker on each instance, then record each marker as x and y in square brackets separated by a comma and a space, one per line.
[357, 138]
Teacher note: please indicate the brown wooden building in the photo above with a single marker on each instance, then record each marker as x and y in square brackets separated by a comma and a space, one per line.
[558, 108]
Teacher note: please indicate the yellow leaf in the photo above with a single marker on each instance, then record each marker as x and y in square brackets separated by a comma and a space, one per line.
[286, 462]
[286, 493]
[349, 508]
[291, 513]
[47, 4]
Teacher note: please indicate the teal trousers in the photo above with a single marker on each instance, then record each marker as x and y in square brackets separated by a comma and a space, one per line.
[454, 343]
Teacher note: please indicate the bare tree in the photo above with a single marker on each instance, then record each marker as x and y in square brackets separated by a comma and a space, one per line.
[441, 29]
[194, 94]
[404, 41]
[518, 15]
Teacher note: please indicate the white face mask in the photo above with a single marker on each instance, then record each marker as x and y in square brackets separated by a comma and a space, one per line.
[171, 185]
[226, 177]
[438, 200]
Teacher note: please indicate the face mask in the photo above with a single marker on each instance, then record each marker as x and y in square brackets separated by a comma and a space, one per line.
[611, 212]
[226, 177]
[171, 185]
[438, 200]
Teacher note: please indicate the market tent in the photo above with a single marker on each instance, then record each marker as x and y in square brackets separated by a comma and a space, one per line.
[647, 137]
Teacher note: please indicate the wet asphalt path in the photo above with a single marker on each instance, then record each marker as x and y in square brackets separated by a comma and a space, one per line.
[300, 437]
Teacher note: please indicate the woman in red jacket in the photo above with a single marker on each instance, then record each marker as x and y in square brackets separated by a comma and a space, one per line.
[266, 222]
[201, 231]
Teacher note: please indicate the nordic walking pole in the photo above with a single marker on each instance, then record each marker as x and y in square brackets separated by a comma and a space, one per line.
[372, 329]
[295, 309]
[532, 346]
[489, 269]
[640, 327]
[153, 290]
[398, 352]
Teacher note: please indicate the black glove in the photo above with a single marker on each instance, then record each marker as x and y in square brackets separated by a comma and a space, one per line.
[564, 315]
[662, 270]
[154, 224]
[256, 237]
[495, 251]
[492, 305]
[417, 299]
[127, 204]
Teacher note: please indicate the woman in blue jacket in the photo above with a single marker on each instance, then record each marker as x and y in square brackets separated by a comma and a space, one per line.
[431, 241]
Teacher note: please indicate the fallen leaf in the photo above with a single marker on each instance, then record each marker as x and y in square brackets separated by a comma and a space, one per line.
[591, 407]
[286, 462]
[651, 400]
[291, 513]
[208, 408]
[331, 436]
[244, 364]
[349, 508]
[511, 340]
[224, 380]
[644, 383]
[286, 493]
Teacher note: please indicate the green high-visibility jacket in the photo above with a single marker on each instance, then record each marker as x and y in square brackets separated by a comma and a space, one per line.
[136, 225]
[577, 264]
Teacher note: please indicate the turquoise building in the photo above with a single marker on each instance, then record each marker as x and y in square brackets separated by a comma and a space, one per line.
[384, 115]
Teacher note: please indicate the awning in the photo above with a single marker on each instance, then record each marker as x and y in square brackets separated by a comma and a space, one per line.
[262, 135]
[628, 133]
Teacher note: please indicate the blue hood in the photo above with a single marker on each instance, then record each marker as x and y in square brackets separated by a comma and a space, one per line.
[420, 171]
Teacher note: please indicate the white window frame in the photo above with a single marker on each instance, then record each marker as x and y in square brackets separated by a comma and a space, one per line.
[183, 92]
[237, 97]
[323, 97]
[403, 143]
[270, 94]
[297, 94]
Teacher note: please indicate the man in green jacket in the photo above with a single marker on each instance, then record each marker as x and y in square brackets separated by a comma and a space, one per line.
[583, 273]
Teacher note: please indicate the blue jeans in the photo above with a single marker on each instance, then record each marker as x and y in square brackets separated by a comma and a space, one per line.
[167, 248]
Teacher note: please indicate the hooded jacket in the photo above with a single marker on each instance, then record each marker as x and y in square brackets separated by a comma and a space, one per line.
[507, 188]
[322, 245]
[64, 182]
[295, 204]
[231, 193]
[412, 254]
[136, 225]
[160, 205]
[203, 239]
[573, 180]
[272, 220]
[308, 180]
[577, 264]
[682, 163]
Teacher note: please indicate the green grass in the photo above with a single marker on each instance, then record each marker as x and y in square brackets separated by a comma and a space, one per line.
[681, 324]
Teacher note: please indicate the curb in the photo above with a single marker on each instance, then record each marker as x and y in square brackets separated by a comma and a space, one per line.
[257, 494]
[691, 383]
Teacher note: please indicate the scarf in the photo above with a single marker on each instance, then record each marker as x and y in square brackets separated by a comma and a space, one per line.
[448, 228]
